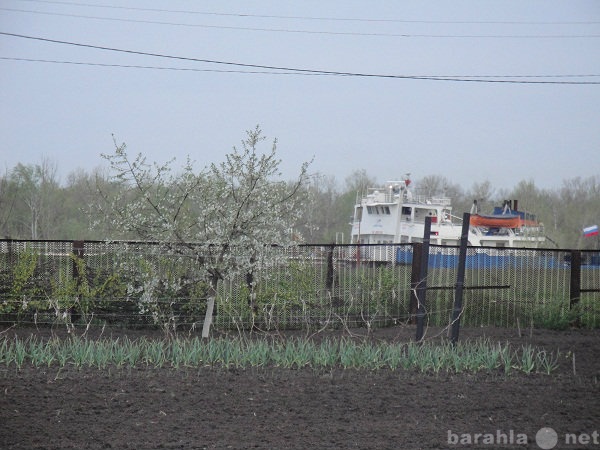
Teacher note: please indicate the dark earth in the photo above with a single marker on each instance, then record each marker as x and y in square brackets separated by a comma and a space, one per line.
[149, 408]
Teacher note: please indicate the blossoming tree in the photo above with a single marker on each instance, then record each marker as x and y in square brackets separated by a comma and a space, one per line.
[222, 216]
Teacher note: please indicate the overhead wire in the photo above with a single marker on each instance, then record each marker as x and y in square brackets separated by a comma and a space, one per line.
[315, 18]
[137, 66]
[191, 69]
[320, 32]
[300, 70]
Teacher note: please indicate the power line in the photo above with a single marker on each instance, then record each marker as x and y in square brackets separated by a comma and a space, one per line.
[321, 32]
[136, 66]
[191, 69]
[344, 19]
[297, 70]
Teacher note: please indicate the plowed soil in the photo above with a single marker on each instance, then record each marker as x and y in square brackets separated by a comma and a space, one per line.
[149, 408]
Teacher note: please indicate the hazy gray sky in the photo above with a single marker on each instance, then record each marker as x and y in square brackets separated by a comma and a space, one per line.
[466, 131]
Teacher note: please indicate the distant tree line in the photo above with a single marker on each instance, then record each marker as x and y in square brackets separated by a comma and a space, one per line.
[36, 204]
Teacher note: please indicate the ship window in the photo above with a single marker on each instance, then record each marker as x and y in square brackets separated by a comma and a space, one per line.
[378, 210]
[406, 210]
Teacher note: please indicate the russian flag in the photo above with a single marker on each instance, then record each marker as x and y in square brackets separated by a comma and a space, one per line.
[591, 231]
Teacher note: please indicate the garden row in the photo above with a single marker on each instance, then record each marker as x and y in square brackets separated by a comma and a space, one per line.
[469, 356]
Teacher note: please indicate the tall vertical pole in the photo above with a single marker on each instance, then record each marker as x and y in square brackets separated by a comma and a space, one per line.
[78, 253]
[460, 278]
[422, 286]
[575, 284]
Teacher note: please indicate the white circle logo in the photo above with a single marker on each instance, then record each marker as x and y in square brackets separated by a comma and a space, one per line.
[546, 438]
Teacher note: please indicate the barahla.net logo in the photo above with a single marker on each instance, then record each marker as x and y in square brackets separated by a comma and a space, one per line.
[546, 438]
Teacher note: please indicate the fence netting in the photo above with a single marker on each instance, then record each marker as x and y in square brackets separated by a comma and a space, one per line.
[139, 284]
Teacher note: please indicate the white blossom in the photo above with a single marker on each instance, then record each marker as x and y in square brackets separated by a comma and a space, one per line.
[222, 216]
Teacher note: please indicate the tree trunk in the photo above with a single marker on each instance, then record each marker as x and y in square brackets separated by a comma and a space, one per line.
[210, 306]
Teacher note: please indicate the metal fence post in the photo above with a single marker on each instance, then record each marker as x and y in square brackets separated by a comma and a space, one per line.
[460, 278]
[575, 284]
[422, 286]
[78, 251]
[330, 270]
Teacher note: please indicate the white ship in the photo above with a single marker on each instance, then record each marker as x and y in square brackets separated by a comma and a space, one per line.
[392, 214]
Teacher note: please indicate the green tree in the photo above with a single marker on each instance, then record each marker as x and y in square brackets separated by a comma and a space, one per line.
[577, 206]
[321, 222]
[80, 218]
[482, 192]
[358, 182]
[36, 187]
[7, 205]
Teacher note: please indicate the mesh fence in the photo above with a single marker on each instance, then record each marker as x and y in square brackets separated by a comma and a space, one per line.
[133, 284]
[320, 286]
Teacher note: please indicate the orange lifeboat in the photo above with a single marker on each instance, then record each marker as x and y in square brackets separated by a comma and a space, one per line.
[496, 221]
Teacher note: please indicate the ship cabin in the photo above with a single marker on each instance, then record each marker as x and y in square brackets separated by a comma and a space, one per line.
[394, 215]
